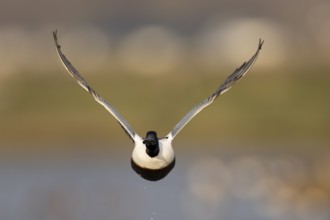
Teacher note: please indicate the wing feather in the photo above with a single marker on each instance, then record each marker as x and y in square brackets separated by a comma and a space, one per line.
[225, 86]
[83, 83]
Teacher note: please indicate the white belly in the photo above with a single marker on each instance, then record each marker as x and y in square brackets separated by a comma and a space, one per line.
[163, 159]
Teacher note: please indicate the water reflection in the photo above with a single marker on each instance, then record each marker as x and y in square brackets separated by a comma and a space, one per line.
[215, 186]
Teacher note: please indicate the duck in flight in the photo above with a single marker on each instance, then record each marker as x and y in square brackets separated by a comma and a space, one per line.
[153, 157]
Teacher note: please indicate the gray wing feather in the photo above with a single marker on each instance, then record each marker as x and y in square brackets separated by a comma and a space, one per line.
[83, 83]
[225, 86]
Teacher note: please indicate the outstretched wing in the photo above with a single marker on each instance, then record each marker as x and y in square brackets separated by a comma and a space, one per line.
[82, 82]
[226, 85]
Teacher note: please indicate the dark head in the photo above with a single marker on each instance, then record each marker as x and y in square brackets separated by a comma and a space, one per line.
[152, 144]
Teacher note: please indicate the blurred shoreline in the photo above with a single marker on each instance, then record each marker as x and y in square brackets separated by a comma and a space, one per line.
[265, 107]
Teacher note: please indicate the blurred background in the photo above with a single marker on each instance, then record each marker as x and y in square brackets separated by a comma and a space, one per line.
[261, 151]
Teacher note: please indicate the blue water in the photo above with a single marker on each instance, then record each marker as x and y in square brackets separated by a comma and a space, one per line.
[205, 185]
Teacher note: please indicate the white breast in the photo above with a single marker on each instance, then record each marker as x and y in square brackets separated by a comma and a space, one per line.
[163, 159]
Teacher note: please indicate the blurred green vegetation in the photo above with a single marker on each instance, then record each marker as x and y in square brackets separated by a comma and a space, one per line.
[275, 105]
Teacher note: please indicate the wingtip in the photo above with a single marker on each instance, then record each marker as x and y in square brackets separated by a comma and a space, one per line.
[55, 34]
[261, 42]
[56, 39]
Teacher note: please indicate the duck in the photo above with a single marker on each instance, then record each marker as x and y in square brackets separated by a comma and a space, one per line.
[153, 157]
